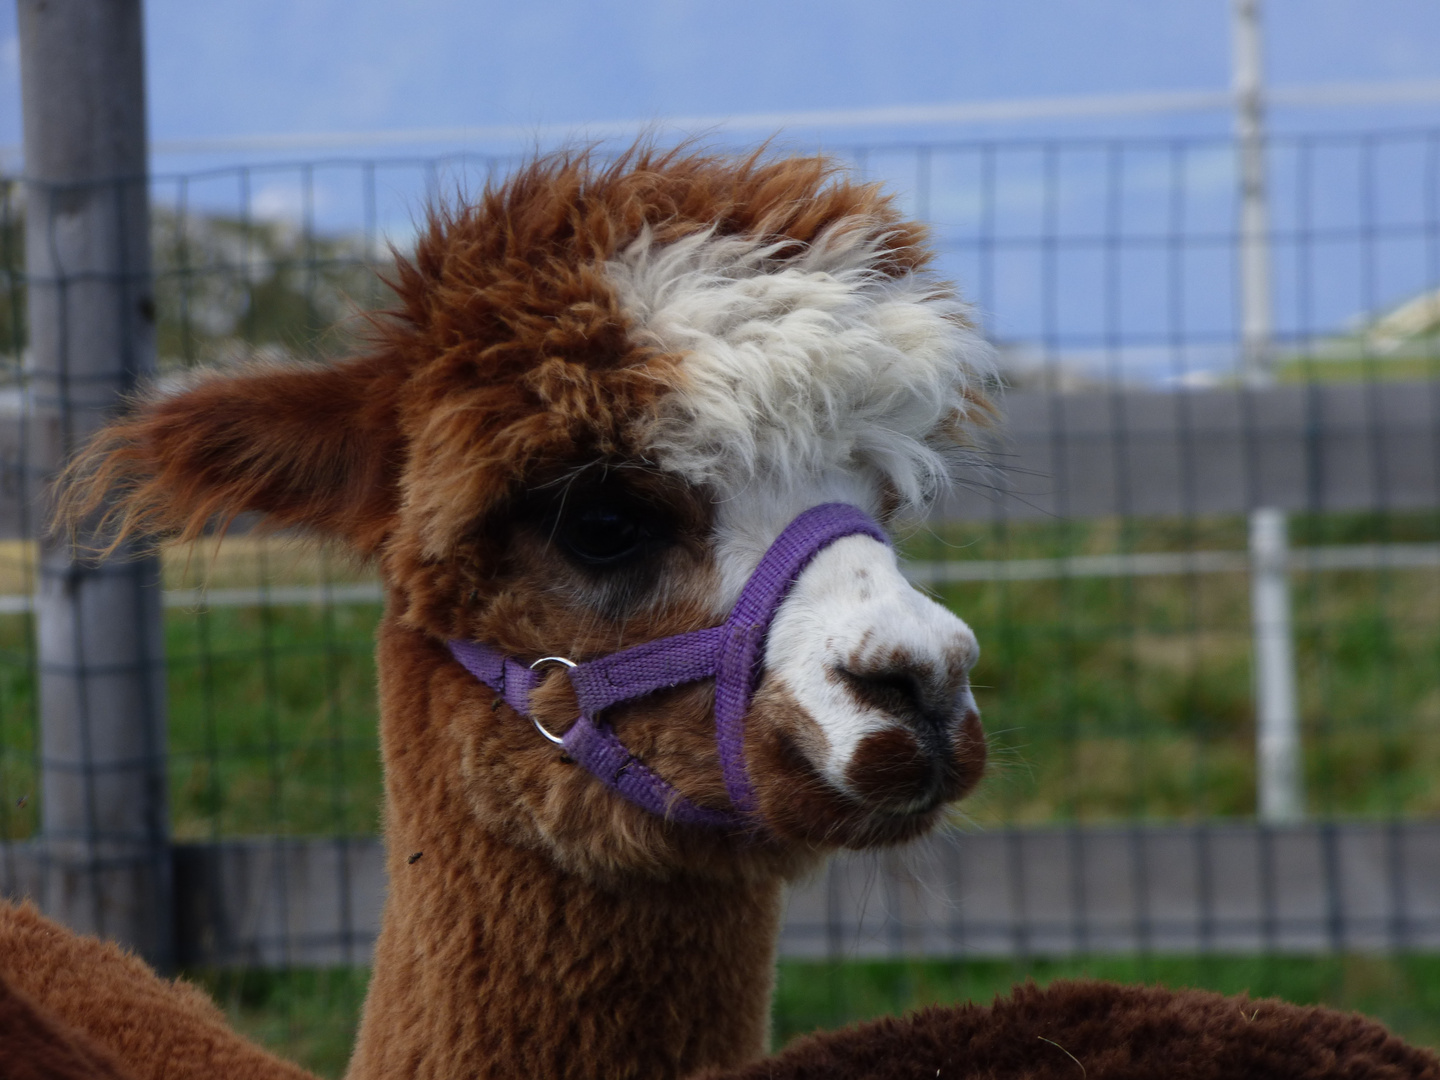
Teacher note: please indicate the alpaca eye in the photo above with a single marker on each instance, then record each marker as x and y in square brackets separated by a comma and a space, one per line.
[601, 536]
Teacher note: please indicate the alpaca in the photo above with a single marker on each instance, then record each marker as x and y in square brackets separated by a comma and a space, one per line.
[616, 405]
[1099, 1031]
[74, 1002]
[623, 454]
[144, 1028]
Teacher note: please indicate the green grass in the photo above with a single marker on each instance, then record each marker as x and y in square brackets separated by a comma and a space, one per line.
[272, 722]
[310, 1016]
[1109, 699]
[1418, 362]
[306, 1016]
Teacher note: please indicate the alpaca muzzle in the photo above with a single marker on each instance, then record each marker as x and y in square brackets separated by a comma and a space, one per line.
[731, 653]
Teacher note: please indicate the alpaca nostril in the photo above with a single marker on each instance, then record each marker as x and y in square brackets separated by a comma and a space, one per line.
[897, 692]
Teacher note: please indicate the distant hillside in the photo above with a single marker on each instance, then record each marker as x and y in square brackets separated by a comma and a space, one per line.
[1401, 343]
[225, 288]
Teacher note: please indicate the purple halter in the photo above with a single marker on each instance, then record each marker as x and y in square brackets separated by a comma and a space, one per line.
[730, 653]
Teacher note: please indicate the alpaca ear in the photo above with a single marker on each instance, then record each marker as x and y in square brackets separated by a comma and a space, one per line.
[314, 447]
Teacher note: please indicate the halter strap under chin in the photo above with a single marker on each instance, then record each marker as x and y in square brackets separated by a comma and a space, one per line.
[732, 654]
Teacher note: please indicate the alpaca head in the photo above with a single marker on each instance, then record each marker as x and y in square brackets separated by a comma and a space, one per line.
[603, 394]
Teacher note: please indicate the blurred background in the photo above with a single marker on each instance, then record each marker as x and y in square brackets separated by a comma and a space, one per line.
[1202, 551]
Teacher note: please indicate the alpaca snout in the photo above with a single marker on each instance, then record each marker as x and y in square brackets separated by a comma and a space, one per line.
[933, 749]
[882, 671]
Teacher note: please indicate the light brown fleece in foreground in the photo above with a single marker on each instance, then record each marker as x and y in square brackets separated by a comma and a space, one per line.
[152, 1028]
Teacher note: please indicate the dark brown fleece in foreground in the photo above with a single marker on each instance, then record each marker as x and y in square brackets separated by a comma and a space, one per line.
[1101, 1031]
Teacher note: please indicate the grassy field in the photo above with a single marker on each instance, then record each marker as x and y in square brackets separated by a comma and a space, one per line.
[309, 1016]
[1104, 699]
[271, 708]
[1117, 698]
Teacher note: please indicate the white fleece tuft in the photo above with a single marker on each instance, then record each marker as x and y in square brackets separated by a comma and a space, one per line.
[796, 366]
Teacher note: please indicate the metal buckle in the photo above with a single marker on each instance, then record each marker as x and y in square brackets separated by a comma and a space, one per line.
[538, 726]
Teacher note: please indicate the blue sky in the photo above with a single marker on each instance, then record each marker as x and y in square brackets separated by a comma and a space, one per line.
[247, 67]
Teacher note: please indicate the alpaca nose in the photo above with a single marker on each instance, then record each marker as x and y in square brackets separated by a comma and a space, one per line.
[931, 750]
[896, 692]
[927, 702]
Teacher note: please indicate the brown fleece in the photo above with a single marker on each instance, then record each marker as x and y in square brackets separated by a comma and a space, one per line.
[35, 1045]
[149, 1028]
[1100, 1031]
[533, 946]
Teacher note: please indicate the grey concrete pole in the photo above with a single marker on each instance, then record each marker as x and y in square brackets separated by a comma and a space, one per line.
[99, 638]
[1280, 795]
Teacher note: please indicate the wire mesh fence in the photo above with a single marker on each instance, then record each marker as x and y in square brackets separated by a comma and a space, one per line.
[1102, 544]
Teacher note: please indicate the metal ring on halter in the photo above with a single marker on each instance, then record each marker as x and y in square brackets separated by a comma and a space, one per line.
[538, 726]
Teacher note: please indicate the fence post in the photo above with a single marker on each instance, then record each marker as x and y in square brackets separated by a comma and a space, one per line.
[1277, 729]
[99, 642]
[1277, 734]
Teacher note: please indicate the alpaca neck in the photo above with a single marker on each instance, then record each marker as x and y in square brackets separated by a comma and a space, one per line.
[495, 961]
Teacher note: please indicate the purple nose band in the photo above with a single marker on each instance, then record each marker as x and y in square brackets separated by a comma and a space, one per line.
[731, 653]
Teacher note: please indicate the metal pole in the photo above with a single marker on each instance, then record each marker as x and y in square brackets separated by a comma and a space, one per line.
[99, 643]
[1277, 736]
[1256, 324]
[1277, 726]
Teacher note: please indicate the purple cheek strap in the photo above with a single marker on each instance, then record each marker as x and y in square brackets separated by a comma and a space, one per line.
[731, 653]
